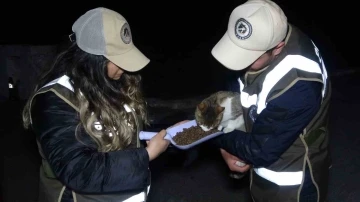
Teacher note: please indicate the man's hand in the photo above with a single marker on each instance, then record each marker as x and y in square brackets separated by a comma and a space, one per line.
[234, 163]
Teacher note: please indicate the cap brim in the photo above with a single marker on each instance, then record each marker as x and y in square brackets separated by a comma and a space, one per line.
[131, 61]
[232, 56]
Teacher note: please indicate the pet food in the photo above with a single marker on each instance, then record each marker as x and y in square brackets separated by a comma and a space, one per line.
[192, 134]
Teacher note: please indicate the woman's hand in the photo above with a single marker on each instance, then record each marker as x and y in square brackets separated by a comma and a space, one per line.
[157, 145]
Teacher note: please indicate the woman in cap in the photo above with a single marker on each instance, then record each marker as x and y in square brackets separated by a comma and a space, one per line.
[86, 112]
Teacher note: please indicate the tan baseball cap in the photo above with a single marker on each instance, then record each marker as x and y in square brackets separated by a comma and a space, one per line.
[253, 28]
[101, 31]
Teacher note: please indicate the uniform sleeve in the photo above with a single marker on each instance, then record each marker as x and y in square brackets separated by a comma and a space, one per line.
[78, 164]
[276, 127]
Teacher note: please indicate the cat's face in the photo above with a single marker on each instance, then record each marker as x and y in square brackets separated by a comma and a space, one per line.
[208, 115]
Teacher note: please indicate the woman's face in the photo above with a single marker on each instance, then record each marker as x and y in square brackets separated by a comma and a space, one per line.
[114, 71]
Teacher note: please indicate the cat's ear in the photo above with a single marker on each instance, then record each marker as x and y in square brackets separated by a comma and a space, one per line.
[202, 106]
[219, 109]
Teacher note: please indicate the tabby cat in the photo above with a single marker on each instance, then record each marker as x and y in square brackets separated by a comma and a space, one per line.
[221, 110]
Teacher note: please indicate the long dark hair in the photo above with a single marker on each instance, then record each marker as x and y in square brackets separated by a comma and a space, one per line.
[98, 96]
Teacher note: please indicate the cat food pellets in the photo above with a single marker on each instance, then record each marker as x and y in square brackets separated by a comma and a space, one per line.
[192, 134]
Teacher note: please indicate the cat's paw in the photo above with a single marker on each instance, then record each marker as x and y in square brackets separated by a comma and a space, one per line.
[228, 129]
[220, 127]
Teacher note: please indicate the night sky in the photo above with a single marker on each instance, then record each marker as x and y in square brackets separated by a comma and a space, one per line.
[178, 35]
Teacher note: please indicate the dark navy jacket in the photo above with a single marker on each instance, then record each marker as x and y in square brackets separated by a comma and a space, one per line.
[302, 102]
[78, 164]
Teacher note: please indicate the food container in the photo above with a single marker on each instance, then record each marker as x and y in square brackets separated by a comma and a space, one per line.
[172, 132]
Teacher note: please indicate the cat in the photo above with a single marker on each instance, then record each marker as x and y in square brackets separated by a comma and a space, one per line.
[222, 111]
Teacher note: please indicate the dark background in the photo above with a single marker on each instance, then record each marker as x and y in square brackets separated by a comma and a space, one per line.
[178, 35]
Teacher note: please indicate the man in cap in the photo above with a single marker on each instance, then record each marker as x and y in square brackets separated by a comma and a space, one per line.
[285, 94]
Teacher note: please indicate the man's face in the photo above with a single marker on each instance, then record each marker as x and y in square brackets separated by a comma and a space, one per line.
[265, 59]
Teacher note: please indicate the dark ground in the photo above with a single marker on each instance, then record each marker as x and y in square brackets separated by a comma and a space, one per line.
[205, 179]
